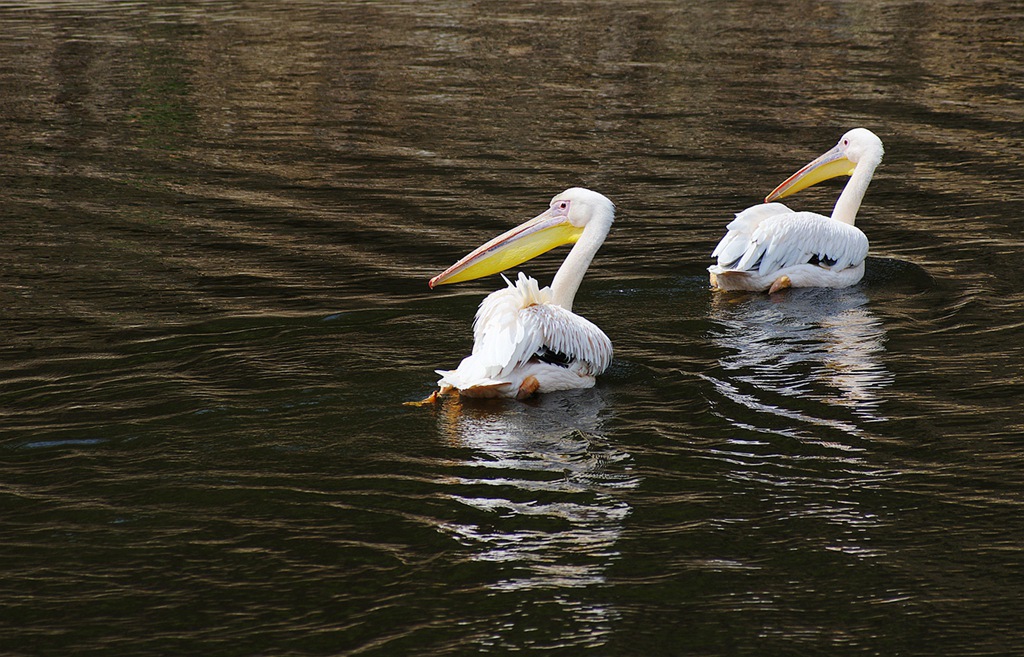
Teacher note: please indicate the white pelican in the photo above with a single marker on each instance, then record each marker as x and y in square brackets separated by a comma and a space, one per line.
[526, 339]
[770, 247]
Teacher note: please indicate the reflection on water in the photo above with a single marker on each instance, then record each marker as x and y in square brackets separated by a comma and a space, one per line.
[808, 345]
[802, 376]
[543, 486]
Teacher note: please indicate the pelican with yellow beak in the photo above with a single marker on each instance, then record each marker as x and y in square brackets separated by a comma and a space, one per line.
[770, 247]
[526, 339]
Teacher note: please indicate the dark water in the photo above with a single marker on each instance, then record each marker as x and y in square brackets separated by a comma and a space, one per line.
[218, 223]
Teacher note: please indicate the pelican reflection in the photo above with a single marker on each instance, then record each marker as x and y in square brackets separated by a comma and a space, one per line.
[540, 497]
[547, 461]
[800, 380]
[796, 358]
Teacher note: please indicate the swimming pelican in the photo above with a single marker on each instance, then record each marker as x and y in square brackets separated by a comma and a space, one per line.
[770, 247]
[526, 339]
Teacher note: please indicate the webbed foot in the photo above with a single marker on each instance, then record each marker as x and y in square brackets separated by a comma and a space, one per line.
[528, 387]
[430, 399]
[781, 283]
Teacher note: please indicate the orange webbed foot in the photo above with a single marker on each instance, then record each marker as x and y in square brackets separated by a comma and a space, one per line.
[429, 400]
[781, 283]
[529, 386]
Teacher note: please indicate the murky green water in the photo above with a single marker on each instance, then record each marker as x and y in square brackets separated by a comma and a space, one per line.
[218, 224]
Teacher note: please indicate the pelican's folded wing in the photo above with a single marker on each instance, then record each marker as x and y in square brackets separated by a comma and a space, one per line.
[797, 238]
[577, 342]
[805, 237]
[519, 322]
[740, 231]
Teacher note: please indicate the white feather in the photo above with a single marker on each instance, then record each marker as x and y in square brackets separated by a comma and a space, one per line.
[736, 240]
[768, 241]
[512, 326]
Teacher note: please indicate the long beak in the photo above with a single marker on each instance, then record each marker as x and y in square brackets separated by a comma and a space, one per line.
[825, 166]
[528, 240]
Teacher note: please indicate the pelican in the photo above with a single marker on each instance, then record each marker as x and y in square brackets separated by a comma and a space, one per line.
[526, 339]
[770, 247]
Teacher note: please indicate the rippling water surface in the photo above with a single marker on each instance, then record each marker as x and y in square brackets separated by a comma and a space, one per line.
[218, 223]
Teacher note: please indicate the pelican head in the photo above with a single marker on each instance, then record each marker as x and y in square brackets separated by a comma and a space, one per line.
[564, 222]
[856, 147]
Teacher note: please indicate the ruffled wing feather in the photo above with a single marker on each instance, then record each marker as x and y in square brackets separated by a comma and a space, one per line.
[763, 240]
[564, 332]
[740, 229]
[518, 322]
